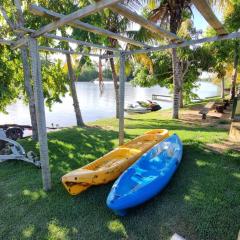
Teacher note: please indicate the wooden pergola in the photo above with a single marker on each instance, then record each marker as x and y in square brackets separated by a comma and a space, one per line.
[28, 38]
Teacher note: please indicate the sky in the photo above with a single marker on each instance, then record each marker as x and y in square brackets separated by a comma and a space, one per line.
[199, 21]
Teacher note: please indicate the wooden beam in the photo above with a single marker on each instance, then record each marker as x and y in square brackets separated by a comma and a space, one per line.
[19, 43]
[185, 44]
[6, 42]
[122, 79]
[58, 50]
[81, 13]
[92, 45]
[205, 9]
[151, 26]
[43, 12]
[66, 39]
[40, 110]
[155, 49]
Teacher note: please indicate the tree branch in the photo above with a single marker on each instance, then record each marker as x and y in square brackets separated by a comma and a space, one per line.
[7, 19]
[188, 63]
[19, 13]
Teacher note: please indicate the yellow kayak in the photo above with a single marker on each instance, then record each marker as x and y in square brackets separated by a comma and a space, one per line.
[111, 165]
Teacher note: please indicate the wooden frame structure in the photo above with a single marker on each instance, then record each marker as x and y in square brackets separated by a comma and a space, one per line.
[28, 38]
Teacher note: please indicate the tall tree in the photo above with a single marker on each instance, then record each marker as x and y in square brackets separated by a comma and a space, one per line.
[27, 74]
[53, 76]
[72, 81]
[25, 65]
[221, 55]
[172, 13]
[117, 24]
[232, 21]
[10, 84]
[192, 60]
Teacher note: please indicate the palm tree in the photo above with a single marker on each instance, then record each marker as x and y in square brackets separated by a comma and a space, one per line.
[115, 23]
[235, 70]
[171, 13]
[232, 20]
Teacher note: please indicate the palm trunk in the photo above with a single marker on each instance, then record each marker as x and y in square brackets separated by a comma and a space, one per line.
[222, 88]
[175, 23]
[176, 83]
[235, 70]
[73, 91]
[116, 86]
[181, 105]
[30, 93]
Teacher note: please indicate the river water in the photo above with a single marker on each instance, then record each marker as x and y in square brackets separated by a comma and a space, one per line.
[93, 105]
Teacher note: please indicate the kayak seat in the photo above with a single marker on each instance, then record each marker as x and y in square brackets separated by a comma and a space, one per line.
[154, 164]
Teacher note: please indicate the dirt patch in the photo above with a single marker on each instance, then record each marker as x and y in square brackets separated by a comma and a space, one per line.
[214, 119]
[192, 116]
[223, 146]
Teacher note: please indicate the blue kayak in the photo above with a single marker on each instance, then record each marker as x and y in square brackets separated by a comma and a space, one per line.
[147, 177]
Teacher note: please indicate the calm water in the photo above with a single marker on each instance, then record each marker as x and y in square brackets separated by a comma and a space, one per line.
[93, 105]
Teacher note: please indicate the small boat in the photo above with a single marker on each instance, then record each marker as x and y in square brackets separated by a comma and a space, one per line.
[137, 108]
[143, 107]
[147, 177]
[111, 165]
[154, 106]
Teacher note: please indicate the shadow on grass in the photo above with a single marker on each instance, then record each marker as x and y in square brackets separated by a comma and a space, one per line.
[201, 201]
[168, 124]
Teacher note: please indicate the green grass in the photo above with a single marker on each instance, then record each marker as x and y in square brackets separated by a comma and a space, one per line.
[201, 202]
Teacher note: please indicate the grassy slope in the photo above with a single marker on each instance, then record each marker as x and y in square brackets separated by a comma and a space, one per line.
[201, 202]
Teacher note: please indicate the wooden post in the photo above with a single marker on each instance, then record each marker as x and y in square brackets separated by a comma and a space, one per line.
[41, 120]
[122, 78]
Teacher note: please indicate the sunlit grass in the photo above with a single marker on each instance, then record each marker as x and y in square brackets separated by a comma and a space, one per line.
[34, 195]
[116, 226]
[28, 232]
[202, 200]
[55, 231]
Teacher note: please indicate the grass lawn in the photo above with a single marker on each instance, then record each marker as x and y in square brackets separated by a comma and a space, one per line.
[202, 200]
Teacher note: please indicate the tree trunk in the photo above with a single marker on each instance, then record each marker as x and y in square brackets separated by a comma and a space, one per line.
[27, 73]
[176, 83]
[235, 70]
[222, 88]
[116, 86]
[73, 91]
[122, 77]
[30, 93]
[175, 23]
[181, 105]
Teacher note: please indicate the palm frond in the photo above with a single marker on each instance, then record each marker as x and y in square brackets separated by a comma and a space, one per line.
[221, 5]
[144, 60]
